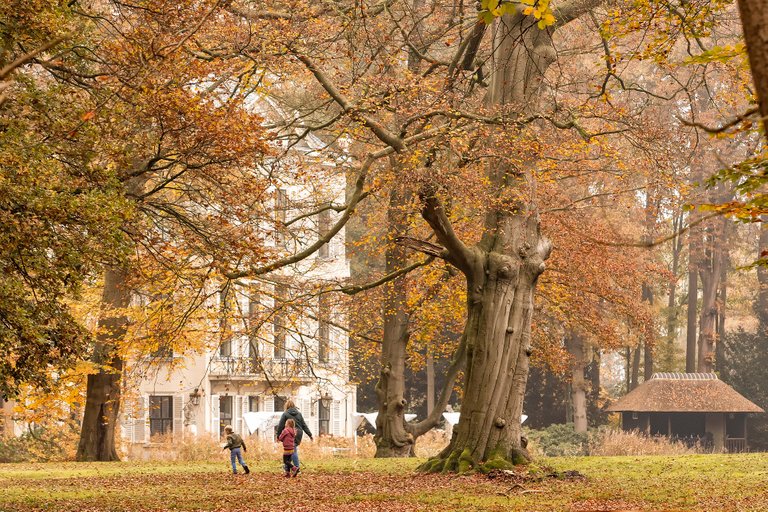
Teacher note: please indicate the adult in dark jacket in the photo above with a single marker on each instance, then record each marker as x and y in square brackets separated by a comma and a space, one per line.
[292, 412]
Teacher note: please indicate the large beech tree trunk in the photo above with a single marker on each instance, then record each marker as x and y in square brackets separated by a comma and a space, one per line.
[97, 436]
[502, 269]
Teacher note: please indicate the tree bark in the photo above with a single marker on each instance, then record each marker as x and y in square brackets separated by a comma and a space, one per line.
[575, 346]
[762, 278]
[710, 273]
[754, 20]
[503, 268]
[392, 439]
[97, 436]
[677, 247]
[635, 377]
[693, 292]
[430, 370]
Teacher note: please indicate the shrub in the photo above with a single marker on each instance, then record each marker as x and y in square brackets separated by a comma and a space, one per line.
[557, 440]
[52, 443]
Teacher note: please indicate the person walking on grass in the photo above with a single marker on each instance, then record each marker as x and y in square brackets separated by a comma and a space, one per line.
[291, 412]
[288, 438]
[236, 446]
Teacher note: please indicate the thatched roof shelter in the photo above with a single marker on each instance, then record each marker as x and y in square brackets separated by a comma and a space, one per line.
[684, 392]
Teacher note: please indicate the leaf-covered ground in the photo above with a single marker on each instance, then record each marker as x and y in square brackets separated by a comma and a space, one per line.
[696, 482]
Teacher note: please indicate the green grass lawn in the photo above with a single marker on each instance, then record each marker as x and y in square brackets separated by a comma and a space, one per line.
[690, 482]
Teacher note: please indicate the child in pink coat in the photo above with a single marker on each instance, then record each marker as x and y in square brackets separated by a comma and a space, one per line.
[288, 438]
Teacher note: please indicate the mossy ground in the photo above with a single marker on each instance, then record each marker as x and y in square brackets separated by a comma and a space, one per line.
[691, 482]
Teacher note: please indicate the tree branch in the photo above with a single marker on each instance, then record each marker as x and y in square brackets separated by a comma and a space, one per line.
[570, 10]
[8, 69]
[459, 356]
[322, 240]
[378, 129]
[433, 250]
[433, 212]
[355, 289]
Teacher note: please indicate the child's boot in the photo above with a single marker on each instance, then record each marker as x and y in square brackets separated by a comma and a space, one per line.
[245, 468]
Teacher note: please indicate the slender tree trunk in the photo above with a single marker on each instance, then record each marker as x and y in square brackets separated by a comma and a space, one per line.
[635, 379]
[693, 296]
[677, 246]
[710, 272]
[649, 341]
[575, 346]
[650, 337]
[722, 302]
[593, 408]
[392, 439]
[762, 278]
[628, 369]
[430, 370]
[754, 20]
[97, 436]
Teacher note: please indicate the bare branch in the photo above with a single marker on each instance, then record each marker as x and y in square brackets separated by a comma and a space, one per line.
[8, 69]
[434, 213]
[381, 132]
[355, 289]
[434, 250]
[730, 124]
[321, 240]
[572, 9]
[459, 356]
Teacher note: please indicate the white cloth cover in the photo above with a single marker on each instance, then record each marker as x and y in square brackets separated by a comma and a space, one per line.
[370, 417]
[453, 417]
[261, 420]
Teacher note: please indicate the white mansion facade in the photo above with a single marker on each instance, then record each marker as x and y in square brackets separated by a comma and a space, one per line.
[273, 353]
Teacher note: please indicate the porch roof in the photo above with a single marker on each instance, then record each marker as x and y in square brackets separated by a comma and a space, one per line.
[684, 392]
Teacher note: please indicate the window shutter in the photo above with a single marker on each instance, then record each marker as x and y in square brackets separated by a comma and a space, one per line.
[215, 415]
[126, 421]
[336, 419]
[178, 416]
[141, 420]
[245, 407]
[237, 415]
[269, 404]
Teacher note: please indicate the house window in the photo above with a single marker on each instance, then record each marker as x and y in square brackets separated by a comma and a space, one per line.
[278, 323]
[160, 415]
[253, 404]
[323, 330]
[323, 224]
[324, 417]
[225, 413]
